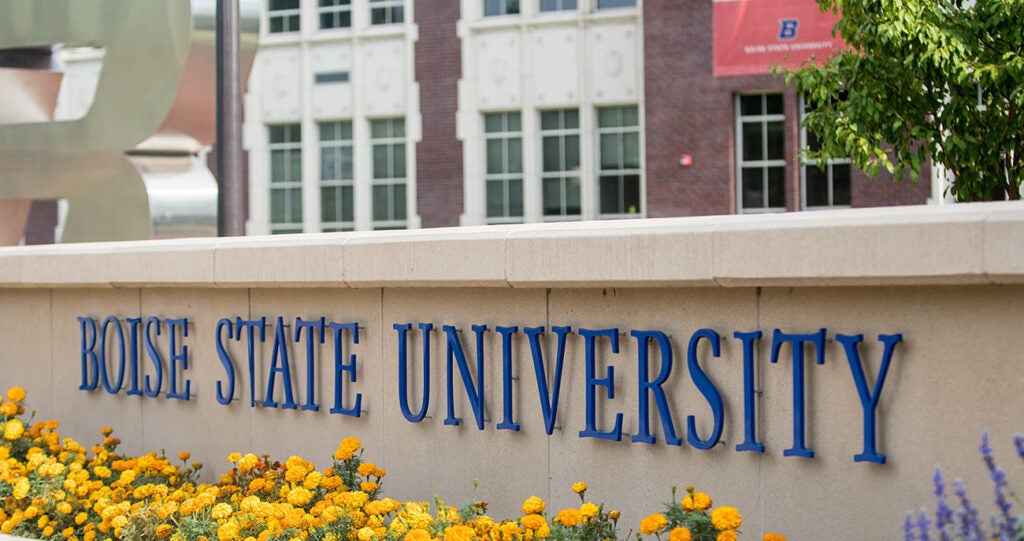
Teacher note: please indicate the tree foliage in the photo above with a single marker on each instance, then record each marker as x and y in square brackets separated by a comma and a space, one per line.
[943, 78]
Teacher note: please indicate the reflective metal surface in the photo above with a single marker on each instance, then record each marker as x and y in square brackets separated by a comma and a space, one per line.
[156, 85]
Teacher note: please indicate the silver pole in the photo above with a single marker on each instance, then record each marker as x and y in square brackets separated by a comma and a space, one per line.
[230, 204]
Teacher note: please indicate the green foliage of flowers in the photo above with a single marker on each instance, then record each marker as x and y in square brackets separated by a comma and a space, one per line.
[55, 489]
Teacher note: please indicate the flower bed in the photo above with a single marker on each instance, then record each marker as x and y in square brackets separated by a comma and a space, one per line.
[53, 488]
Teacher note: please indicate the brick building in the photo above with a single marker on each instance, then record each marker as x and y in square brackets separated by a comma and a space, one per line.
[378, 114]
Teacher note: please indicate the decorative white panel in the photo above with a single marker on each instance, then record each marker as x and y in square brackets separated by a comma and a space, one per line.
[498, 70]
[282, 84]
[556, 66]
[612, 64]
[78, 88]
[384, 77]
[331, 99]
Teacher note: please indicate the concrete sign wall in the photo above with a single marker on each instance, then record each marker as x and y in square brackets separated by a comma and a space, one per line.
[810, 369]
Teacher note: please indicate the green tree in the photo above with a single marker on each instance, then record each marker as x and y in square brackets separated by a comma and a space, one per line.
[943, 78]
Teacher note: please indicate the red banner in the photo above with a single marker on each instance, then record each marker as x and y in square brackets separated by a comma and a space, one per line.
[751, 36]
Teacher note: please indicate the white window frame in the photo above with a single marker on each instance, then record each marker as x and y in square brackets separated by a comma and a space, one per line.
[292, 187]
[562, 174]
[334, 9]
[764, 163]
[390, 7]
[503, 8]
[390, 180]
[506, 176]
[623, 171]
[285, 15]
[806, 162]
[561, 6]
[338, 181]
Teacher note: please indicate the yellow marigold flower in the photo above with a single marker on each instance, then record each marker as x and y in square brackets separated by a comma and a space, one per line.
[579, 487]
[228, 531]
[106, 431]
[366, 469]
[67, 532]
[589, 511]
[365, 533]
[63, 508]
[653, 524]
[221, 511]
[679, 533]
[16, 394]
[698, 501]
[769, 536]
[163, 531]
[296, 469]
[312, 480]
[614, 514]
[233, 458]
[184, 456]
[727, 535]
[569, 517]
[21, 488]
[10, 409]
[81, 517]
[726, 518]
[248, 462]
[533, 522]
[379, 472]
[299, 496]
[13, 430]
[368, 486]
[47, 531]
[347, 449]
[459, 533]
[533, 506]
[31, 512]
[417, 534]
[102, 472]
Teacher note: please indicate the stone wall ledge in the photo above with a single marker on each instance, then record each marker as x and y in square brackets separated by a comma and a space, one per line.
[963, 244]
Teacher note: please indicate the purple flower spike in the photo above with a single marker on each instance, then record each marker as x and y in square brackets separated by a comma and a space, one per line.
[923, 525]
[968, 528]
[1006, 527]
[908, 528]
[943, 514]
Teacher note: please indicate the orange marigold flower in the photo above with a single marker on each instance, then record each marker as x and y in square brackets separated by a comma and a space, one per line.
[17, 394]
[163, 531]
[653, 524]
[680, 533]
[347, 449]
[727, 535]
[726, 518]
[534, 522]
[106, 431]
[10, 409]
[769, 536]
[417, 534]
[569, 517]
[184, 456]
[533, 506]
[248, 462]
[459, 533]
[368, 486]
[697, 501]
[366, 469]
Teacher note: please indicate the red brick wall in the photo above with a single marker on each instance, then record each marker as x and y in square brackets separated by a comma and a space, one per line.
[439, 153]
[690, 111]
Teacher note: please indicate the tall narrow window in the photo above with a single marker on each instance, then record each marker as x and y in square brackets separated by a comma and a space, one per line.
[560, 160]
[389, 183]
[503, 139]
[618, 134]
[604, 4]
[285, 178]
[825, 183]
[283, 16]
[500, 7]
[336, 196]
[557, 5]
[761, 163]
[387, 11]
[335, 14]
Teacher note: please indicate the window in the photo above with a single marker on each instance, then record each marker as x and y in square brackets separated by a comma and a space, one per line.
[618, 134]
[329, 77]
[604, 4]
[824, 183]
[336, 173]
[386, 11]
[560, 159]
[285, 178]
[760, 145]
[500, 7]
[557, 5]
[283, 16]
[503, 140]
[335, 14]
[389, 197]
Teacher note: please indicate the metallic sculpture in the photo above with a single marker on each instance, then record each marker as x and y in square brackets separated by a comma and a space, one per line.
[154, 99]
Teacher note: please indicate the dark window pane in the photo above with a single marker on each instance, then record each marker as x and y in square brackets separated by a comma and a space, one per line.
[776, 140]
[777, 187]
[610, 151]
[631, 193]
[492, 7]
[347, 204]
[752, 194]
[552, 158]
[380, 203]
[603, 4]
[399, 202]
[572, 119]
[397, 16]
[816, 185]
[610, 198]
[329, 203]
[774, 102]
[548, 5]
[495, 156]
[609, 117]
[514, 122]
[752, 141]
[572, 152]
[346, 165]
[630, 116]
[277, 206]
[378, 16]
[294, 172]
[515, 155]
[493, 123]
[495, 198]
[399, 157]
[515, 197]
[276, 134]
[380, 162]
[552, 196]
[277, 166]
[550, 120]
[378, 129]
[513, 7]
[631, 150]
[276, 25]
[326, 20]
[572, 196]
[812, 141]
[398, 127]
[841, 184]
[750, 105]
[283, 4]
[328, 164]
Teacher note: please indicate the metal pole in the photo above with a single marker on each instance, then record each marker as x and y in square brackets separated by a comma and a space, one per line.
[230, 204]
